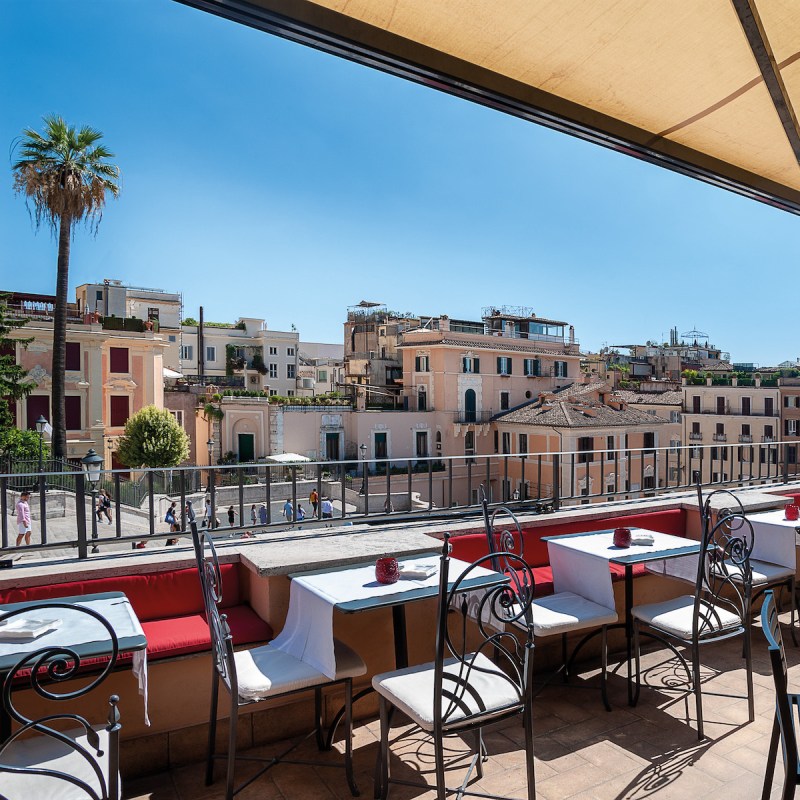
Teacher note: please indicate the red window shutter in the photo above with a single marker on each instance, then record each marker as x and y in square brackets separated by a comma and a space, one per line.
[120, 410]
[72, 413]
[73, 359]
[37, 405]
[118, 359]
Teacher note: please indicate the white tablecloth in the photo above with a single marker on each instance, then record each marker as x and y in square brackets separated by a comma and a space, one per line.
[580, 563]
[308, 632]
[775, 538]
[77, 628]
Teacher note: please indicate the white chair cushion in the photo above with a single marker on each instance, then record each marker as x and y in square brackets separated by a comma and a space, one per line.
[267, 671]
[411, 690]
[764, 573]
[676, 617]
[44, 751]
[565, 611]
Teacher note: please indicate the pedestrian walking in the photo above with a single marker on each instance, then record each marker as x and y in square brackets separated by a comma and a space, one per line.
[207, 514]
[288, 510]
[23, 518]
[172, 520]
[313, 498]
[253, 515]
[262, 514]
[231, 516]
[104, 501]
[327, 508]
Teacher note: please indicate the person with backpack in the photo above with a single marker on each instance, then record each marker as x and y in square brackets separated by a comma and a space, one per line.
[171, 519]
[313, 498]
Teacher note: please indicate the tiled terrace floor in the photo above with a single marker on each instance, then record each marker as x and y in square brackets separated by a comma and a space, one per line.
[582, 751]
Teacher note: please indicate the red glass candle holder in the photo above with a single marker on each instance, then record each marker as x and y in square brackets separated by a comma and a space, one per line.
[622, 537]
[387, 570]
[792, 511]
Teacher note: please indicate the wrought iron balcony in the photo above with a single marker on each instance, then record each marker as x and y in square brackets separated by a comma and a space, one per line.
[720, 437]
[695, 436]
[745, 438]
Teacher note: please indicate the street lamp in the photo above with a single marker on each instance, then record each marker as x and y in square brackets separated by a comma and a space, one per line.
[92, 465]
[363, 450]
[41, 423]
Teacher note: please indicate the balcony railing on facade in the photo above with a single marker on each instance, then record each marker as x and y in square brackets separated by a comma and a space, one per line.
[719, 437]
[695, 436]
[375, 491]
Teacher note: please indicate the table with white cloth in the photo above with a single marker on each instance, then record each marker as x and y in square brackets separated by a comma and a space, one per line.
[83, 634]
[308, 632]
[775, 538]
[581, 564]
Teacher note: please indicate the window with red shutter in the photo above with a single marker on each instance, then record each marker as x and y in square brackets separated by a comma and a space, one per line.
[73, 360]
[72, 413]
[37, 405]
[120, 410]
[119, 360]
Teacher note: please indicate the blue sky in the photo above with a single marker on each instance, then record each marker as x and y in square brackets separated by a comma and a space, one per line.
[265, 179]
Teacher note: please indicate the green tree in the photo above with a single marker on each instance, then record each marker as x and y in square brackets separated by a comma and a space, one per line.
[13, 383]
[21, 445]
[153, 438]
[65, 177]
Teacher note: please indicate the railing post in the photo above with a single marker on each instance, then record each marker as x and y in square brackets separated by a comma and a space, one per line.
[43, 507]
[408, 468]
[318, 513]
[505, 479]
[430, 484]
[118, 504]
[294, 493]
[183, 499]
[241, 497]
[268, 494]
[785, 464]
[4, 511]
[450, 483]
[522, 485]
[469, 481]
[365, 485]
[556, 481]
[80, 515]
[212, 490]
[151, 502]
[343, 490]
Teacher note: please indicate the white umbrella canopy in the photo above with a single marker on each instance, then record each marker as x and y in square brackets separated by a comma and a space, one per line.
[287, 458]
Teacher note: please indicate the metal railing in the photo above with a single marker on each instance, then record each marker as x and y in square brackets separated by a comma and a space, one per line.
[245, 498]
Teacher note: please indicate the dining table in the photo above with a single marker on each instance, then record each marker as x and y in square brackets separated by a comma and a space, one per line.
[78, 632]
[775, 538]
[581, 564]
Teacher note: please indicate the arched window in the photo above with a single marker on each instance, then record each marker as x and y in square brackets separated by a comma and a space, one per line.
[470, 414]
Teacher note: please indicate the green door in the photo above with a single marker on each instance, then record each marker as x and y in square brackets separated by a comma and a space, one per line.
[247, 448]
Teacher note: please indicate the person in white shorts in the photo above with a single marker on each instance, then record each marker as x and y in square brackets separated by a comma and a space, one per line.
[23, 519]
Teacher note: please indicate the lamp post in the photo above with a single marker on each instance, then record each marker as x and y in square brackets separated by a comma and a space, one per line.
[40, 426]
[92, 465]
[363, 451]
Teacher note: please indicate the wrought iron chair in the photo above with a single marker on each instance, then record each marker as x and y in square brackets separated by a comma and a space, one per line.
[263, 673]
[466, 687]
[62, 754]
[765, 575]
[557, 614]
[787, 706]
[719, 609]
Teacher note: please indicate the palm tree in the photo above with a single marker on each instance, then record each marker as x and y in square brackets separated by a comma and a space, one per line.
[64, 176]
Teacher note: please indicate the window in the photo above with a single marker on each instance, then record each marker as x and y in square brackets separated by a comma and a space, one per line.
[696, 404]
[720, 429]
[746, 406]
[470, 364]
[421, 364]
[696, 428]
[273, 351]
[745, 430]
[152, 313]
[422, 399]
[719, 453]
[674, 445]
[422, 444]
[322, 375]
[560, 369]
[98, 295]
[503, 365]
[791, 453]
[178, 416]
[186, 352]
[768, 407]
[720, 405]
[120, 410]
[585, 449]
[649, 442]
[118, 360]
[290, 370]
[273, 370]
[273, 392]
[290, 393]
[532, 367]
[380, 445]
[506, 442]
[790, 427]
[496, 441]
[612, 454]
[73, 359]
[469, 446]
[72, 413]
[504, 401]
[786, 401]
[211, 353]
[674, 416]
[37, 405]
[290, 351]
[173, 338]
[768, 432]
[523, 443]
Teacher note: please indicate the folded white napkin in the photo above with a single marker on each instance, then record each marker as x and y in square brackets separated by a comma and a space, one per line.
[414, 571]
[642, 538]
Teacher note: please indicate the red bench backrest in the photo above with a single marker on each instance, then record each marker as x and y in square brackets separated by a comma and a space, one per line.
[154, 595]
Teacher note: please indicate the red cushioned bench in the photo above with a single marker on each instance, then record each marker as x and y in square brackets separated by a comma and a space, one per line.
[169, 605]
[473, 546]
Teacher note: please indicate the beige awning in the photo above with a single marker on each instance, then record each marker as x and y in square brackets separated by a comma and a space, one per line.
[705, 88]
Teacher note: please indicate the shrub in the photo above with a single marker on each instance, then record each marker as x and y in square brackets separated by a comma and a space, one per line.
[153, 438]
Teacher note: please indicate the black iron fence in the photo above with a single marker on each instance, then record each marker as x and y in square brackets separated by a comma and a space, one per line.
[70, 513]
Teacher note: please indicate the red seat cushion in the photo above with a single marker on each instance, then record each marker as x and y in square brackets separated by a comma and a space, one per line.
[246, 626]
[176, 636]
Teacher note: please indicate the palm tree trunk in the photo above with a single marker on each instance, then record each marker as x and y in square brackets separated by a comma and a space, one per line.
[59, 441]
